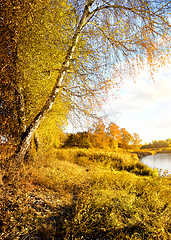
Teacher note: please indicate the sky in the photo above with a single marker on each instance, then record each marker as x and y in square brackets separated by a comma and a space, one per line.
[144, 106]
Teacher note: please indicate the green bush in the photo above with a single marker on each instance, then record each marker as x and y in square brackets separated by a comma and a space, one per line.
[142, 170]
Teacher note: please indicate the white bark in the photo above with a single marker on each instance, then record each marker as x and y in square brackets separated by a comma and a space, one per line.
[27, 136]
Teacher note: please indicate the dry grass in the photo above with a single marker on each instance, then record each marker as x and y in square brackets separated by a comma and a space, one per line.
[120, 205]
[80, 194]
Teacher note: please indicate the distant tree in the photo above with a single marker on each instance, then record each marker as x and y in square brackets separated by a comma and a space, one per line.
[156, 144]
[114, 135]
[81, 140]
[136, 141]
[169, 141]
[100, 139]
[126, 139]
[71, 140]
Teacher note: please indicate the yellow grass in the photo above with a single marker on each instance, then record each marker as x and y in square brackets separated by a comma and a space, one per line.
[87, 194]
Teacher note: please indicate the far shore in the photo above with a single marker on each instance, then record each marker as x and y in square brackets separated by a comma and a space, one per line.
[145, 152]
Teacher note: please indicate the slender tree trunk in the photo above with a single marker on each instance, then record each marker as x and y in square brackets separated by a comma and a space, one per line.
[21, 109]
[27, 135]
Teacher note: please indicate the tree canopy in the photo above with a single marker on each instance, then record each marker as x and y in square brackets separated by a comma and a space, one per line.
[104, 137]
[71, 52]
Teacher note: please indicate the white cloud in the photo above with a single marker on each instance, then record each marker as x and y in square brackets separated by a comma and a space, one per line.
[145, 106]
[144, 94]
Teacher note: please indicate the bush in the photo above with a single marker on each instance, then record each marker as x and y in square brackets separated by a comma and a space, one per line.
[141, 169]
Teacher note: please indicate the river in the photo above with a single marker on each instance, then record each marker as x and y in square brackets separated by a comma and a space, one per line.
[161, 161]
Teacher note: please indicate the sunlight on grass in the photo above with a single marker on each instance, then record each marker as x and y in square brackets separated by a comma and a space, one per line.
[89, 194]
[122, 205]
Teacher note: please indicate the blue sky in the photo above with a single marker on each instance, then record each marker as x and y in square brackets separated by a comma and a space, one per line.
[144, 106]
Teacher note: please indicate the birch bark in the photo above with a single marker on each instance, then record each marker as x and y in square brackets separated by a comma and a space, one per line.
[27, 135]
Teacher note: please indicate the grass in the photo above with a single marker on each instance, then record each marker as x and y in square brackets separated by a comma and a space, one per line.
[86, 194]
[121, 206]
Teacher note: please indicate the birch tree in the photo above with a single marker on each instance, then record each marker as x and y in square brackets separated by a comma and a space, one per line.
[41, 50]
[31, 42]
[105, 36]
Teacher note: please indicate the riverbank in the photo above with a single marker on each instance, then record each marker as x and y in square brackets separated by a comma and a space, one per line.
[143, 153]
[85, 194]
[146, 152]
[163, 150]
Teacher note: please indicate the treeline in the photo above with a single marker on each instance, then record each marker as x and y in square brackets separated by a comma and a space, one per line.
[158, 144]
[101, 136]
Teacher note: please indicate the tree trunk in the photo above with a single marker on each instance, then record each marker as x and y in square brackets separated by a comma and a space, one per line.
[27, 135]
[20, 110]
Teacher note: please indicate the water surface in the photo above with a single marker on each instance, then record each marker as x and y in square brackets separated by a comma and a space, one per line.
[161, 161]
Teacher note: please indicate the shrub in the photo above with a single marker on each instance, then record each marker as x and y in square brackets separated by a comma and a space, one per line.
[142, 170]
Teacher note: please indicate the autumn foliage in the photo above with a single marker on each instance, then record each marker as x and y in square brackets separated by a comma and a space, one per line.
[65, 56]
[103, 137]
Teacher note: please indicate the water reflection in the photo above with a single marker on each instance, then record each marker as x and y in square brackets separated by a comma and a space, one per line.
[159, 161]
